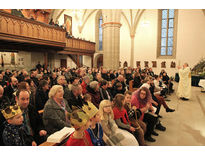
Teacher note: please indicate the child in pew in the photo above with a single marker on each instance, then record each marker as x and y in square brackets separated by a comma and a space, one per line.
[114, 136]
[95, 130]
[14, 133]
[133, 116]
[80, 137]
[121, 116]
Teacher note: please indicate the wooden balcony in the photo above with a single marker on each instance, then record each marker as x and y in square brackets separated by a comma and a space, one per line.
[23, 30]
[78, 46]
[18, 33]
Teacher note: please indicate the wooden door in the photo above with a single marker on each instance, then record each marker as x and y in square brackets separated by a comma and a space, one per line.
[100, 61]
[64, 63]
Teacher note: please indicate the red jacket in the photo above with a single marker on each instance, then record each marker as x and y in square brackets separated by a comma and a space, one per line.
[84, 85]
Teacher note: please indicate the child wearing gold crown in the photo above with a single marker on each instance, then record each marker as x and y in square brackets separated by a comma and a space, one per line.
[95, 130]
[80, 137]
[14, 132]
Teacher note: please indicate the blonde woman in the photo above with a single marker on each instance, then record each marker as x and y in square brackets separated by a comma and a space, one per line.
[56, 109]
[113, 135]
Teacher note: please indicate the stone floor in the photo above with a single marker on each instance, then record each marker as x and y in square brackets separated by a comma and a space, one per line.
[185, 126]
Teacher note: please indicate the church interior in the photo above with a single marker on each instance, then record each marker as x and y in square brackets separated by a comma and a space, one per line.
[115, 39]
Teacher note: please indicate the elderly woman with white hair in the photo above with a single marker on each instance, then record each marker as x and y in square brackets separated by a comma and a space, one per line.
[55, 115]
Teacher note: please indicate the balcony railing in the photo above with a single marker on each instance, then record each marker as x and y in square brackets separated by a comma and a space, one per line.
[23, 30]
[13, 28]
[79, 45]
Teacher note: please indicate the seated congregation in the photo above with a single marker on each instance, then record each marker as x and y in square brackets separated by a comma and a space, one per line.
[105, 107]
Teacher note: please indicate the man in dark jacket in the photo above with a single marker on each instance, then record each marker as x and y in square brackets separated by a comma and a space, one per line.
[62, 81]
[120, 79]
[53, 79]
[105, 75]
[2, 81]
[104, 93]
[41, 95]
[9, 90]
[75, 99]
[32, 120]
[33, 77]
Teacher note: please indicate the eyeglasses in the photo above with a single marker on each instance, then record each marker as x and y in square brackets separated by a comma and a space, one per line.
[143, 94]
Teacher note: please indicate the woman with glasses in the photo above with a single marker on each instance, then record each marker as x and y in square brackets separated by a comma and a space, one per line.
[142, 100]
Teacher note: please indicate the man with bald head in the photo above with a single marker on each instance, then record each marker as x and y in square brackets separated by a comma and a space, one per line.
[184, 88]
[11, 88]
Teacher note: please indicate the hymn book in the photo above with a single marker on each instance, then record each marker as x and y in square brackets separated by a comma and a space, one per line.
[60, 135]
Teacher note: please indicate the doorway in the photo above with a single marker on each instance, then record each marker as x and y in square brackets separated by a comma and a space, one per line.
[64, 63]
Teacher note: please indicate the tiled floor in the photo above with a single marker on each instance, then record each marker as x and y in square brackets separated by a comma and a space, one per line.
[185, 126]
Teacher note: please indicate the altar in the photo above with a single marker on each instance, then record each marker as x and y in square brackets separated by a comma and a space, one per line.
[194, 79]
[202, 84]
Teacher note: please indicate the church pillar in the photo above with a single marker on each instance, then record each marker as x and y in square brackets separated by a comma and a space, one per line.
[132, 51]
[111, 38]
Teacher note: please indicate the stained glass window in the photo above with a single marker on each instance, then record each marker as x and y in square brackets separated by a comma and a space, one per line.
[167, 32]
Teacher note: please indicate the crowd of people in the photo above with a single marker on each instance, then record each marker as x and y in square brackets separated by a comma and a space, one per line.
[98, 103]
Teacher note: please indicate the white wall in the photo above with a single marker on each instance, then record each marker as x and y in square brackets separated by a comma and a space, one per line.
[191, 36]
[87, 33]
[25, 60]
[125, 42]
[57, 61]
[36, 57]
[87, 61]
[70, 63]
[190, 40]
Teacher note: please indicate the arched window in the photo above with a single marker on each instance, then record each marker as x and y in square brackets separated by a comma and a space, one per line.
[100, 34]
[167, 33]
[99, 31]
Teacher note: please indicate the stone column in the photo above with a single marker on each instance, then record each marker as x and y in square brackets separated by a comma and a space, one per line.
[111, 38]
[132, 51]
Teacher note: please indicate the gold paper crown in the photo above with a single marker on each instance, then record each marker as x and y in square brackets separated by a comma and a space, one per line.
[90, 109]
[11, 111]
[78, 118]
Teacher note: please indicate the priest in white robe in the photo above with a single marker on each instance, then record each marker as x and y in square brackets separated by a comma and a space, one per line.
[184, 88]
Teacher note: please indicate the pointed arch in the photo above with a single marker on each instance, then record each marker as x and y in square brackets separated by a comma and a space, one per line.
[81, 27]
[137, 20]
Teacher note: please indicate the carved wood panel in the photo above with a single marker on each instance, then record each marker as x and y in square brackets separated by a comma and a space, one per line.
[146, 64]
[173, 65]
[32, 29]
[138, 63]
[154, 64]
[163, 64]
